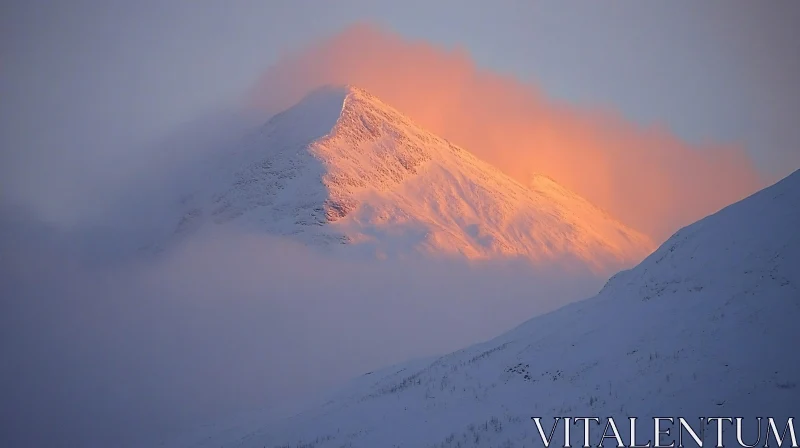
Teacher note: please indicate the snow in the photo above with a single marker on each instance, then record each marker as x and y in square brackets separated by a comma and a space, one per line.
[702, 327]
[342, 168]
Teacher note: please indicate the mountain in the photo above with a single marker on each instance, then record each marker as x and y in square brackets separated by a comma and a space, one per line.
[704, 326]
[341, 166]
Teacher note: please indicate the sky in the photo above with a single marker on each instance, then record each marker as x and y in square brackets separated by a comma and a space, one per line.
[87, 84]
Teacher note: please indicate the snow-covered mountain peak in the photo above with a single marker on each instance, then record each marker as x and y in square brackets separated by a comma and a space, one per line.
[318, 112]
[342, 166]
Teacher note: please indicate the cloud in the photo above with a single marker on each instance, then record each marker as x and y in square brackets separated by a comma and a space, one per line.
[115, 353]
[645, 176]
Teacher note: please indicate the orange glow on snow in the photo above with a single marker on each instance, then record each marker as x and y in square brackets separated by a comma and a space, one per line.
[646, 177]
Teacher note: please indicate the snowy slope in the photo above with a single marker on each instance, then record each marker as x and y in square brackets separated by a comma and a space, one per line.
[343, 167]
[705, 326]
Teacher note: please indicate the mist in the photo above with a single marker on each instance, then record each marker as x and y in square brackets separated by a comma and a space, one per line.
[646, 177]
[105, 345]
[129, 352]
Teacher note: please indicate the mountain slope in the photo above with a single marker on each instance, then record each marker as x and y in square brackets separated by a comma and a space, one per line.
[705, 326]
[343, 167]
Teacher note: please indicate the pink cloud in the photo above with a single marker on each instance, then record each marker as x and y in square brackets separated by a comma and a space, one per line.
[647, 177]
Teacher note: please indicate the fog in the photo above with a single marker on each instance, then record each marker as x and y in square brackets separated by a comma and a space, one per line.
[124, 352]
[107, 345]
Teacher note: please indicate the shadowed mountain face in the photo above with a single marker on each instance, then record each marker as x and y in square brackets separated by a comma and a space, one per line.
[341, 167]
[704, 327]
